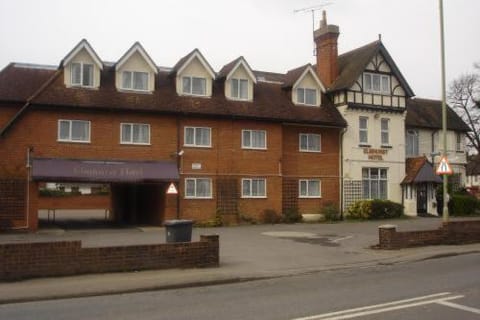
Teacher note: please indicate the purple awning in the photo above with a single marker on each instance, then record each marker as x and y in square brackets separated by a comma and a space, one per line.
[73, 170]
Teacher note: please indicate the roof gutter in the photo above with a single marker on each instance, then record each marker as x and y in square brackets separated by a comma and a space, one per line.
[28, 103]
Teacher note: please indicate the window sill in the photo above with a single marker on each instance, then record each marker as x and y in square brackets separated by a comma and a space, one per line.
[362, 145]
[123, 90]
[254, 149]
[74, 141]
[310, 151]
[309, 197]
[386, 147]
[197, 147]
[252, 197]
[198, 198]
[135, 144]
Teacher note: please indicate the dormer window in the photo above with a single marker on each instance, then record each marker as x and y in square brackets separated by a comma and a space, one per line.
[239, 89]
[82, 74]
[194, 86]
[133, 80]
[307, 96]
[376, 83]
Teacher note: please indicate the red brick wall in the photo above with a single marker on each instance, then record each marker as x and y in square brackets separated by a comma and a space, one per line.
[38, 129]
[303, 165]
[456, 232]
[12, 202]
[29, 260]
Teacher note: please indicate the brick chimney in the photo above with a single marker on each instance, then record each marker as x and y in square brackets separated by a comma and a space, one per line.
[327, 53]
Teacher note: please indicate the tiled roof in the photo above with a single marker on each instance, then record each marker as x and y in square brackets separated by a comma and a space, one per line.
[18, 82]
[473, 165]
[352, 63]
[292, 76]
[426, 113]
[271, 102]
[419, 170]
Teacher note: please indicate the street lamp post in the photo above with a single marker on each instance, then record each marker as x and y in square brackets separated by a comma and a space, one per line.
[444, 112]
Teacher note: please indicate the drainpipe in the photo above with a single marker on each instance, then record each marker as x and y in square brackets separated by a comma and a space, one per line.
[342, 133]
[178, 156]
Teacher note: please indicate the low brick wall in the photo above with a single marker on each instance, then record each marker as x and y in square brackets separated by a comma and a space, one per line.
[456, 232]
[46, 259]
[88, 201]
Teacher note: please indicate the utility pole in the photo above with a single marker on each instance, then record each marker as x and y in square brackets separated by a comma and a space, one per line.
[444, 112]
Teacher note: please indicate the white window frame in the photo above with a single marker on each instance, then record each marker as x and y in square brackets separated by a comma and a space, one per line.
[360, 130]
[131, 124]
[378, 180]
[82, 64]
[195, 196]
[195, 144]
[415, 146]
[368, 83]
[308, 136]
[69, 139]
[307, 185]
[384, 131]
[239, 86]
[191, 86]
[251, 139]
[132, 80]
[251, 182]
[458, 142]
[304, 102]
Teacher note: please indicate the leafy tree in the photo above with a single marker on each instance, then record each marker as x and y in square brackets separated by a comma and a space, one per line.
[464, 98]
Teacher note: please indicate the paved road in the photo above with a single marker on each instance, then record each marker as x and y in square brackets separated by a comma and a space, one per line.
[444, 288]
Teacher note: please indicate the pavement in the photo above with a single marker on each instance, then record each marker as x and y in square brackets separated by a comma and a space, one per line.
[247, 253]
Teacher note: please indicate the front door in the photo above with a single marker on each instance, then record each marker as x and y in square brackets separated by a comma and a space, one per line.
[422, 198]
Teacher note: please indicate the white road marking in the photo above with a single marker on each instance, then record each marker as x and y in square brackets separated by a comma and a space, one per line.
[340, 239]
[459, 306]
[378, 308]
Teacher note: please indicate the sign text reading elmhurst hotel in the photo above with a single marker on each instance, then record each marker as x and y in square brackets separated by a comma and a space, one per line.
[375, 154]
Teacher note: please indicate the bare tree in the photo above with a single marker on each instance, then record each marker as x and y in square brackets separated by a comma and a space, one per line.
[464, 98]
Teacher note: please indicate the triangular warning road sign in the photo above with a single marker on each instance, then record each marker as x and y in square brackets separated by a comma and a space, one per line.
[444, 167]
[171, 189]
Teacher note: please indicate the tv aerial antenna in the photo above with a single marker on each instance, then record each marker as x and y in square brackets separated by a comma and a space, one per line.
[312, 10]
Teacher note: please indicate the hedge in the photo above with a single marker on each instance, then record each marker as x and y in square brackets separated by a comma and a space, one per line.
[375, 209]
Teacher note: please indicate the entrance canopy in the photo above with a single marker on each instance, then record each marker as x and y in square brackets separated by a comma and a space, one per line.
[75, 170]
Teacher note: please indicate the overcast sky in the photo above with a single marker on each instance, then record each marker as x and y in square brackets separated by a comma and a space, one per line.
[266, 32]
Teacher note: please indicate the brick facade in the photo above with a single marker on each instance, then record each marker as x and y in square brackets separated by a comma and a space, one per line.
[225, 159]
[44, 259]
[456, 232]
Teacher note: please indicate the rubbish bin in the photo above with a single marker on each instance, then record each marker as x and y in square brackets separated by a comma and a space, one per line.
[178, 230]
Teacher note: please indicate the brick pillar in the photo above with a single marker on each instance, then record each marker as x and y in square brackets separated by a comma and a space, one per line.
[386, 236]
[212, 256]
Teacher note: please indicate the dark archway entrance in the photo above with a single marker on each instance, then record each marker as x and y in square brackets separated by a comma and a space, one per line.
[137, 188]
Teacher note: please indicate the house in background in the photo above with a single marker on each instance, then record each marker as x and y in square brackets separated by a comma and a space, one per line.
[473, 175]
[424, 140]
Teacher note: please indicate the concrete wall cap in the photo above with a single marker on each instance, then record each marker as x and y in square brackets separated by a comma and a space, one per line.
[387, 226]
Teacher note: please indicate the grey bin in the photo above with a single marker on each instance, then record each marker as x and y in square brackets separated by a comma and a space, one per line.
[178, 230]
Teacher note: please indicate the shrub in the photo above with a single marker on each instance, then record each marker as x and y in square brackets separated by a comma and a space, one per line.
[270, 216]
[291, 215]
[386, 209]
[330, 212]
[360, 210]
[375, 209]
[462, 205]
